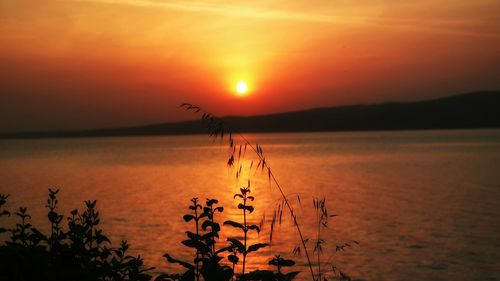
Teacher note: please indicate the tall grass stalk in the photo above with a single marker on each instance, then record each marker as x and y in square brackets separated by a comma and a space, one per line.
[217, 129]
[321, 220]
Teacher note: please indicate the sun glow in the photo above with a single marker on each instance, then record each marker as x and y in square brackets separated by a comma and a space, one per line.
[242, 88]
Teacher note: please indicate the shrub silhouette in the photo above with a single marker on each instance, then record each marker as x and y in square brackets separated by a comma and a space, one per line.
[204, 245]
[79, 253]
[207, 259]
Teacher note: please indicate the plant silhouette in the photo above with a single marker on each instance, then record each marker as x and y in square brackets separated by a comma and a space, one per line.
[241, 246]
[203, 240]
[78, 253]
[217, 129]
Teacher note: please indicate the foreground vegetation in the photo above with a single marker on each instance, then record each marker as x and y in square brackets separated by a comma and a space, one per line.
[77, 249]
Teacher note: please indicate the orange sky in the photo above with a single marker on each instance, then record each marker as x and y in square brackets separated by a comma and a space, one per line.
[100, 63]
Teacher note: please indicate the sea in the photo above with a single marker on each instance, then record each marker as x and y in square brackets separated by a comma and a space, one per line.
[411, 205]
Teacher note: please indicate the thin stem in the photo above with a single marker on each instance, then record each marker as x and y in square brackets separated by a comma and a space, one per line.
[23, 230]
[318, 241]
[212, 229]
[287, 203]
[197, 235]
[232, 277]
[245, 232]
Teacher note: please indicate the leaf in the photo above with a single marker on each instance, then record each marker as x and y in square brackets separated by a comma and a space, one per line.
[53, 217]
[188, 218]
[197, 245]
[228, 248]
[183, 263]
[234, 224]
[210, 202]
[287, 263]
[254, 227]
[191, 243]
[206, 224]
[291, 275]
[233, 259]
[247, 207]
[209, 235]
[256, 247]
[213, 225]
[237, 244]
[192, 236]
[102, 238]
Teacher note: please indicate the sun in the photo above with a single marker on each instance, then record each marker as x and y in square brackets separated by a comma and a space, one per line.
[242, 88]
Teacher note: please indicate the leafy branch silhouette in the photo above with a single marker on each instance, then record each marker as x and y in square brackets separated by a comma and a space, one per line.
[236, 243]
[216, 129]
[78, 252]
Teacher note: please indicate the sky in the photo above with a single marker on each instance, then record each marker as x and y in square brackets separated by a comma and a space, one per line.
[78, 64]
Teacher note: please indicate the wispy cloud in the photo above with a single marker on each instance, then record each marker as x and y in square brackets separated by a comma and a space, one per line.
[475, 28]
[231, 10]
[459, 27]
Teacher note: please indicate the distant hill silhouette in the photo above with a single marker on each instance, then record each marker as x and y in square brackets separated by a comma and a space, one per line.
[472, 110]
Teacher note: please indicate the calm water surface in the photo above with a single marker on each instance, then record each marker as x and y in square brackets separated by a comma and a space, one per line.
[425, 205]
